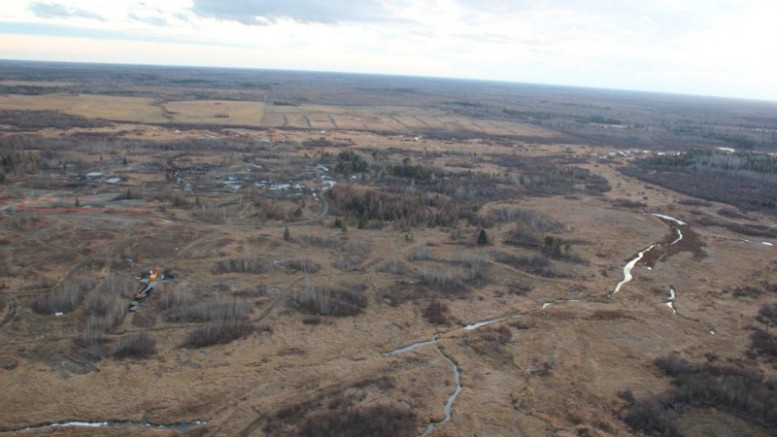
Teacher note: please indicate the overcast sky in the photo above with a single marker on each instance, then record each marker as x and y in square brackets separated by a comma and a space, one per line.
[706, 47]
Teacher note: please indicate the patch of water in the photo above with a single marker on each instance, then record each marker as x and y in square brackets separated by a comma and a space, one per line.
[670, 218]
[183, 426]
[448, 408]
[627, 277]
[410, 347]
[679, 237]
[474, 326]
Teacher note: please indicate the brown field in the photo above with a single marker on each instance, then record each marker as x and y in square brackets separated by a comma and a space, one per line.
[89, 106]
[260, 115]
[310, 243]
[216, 112]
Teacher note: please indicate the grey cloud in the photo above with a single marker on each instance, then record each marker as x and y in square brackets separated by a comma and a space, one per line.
[154, 21]
[258, 12]
[182, 16]
[55, 10]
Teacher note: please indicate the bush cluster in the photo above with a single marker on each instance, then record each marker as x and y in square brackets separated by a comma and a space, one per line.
[65, 297]
[306, 265]
[242, 265]
[365, 421]
[137, 346]
[436, 313]
[738, 391]
[331, 302]
[218, 332]
[209, 311]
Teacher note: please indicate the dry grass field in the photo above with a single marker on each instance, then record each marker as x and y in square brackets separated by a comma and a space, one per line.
[216, 112]
[366, 270]
[260, 115]
[89, 106]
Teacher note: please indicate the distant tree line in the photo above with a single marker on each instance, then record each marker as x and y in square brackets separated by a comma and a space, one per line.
[745, 180]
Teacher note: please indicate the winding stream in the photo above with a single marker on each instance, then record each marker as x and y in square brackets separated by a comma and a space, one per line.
[670, 218]
[183, 426]
[474, 326]
[627, 276]
[448, 409]
[410, 347]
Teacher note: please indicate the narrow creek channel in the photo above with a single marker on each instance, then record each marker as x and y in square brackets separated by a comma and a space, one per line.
[627, 276]
[448, 408]
[182, 426]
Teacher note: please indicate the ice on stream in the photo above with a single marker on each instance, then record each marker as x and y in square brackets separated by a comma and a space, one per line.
[474, 326]
[670, 218]
[627, 277]
[410, 347]
[183, 426]
[670, 300]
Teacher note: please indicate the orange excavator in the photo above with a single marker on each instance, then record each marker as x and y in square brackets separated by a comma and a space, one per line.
[147, 284]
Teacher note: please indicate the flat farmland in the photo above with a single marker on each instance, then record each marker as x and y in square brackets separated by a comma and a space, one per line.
[90, 106]
[216, 112]
[388, 119]
[394, 119]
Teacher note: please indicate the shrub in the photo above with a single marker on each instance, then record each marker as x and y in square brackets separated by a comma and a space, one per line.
[175, 295]
[474, 264]
[301, 265]
[331, 302]
[323, 242]
[628, 203]
[209, 311]
[343, 412]
[105, 312]
[242, 265]
[137, 346]
[735, 390]
[762, 344]
[537, 264]
[436, 313]
[420, 253]
[440, 277]
[217, 332]
[768, 314]
[747, 291]
[119, 286]
[391, 265]
[64, 298]
[372, 421]
[351, 255]
[651, 417]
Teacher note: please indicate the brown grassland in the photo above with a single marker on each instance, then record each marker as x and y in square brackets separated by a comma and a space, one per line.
[310, 238]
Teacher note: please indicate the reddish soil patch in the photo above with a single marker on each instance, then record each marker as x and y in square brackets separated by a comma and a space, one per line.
[690, 243]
